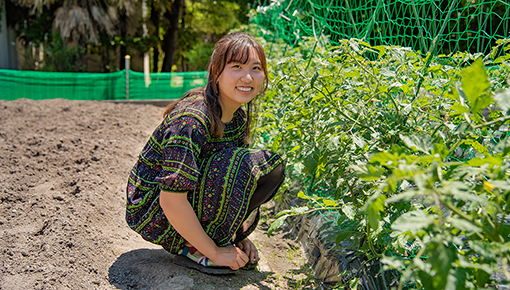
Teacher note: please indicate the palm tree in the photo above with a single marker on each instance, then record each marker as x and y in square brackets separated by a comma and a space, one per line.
[81, 20]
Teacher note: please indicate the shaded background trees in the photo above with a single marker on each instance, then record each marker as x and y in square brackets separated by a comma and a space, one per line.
[95, 35]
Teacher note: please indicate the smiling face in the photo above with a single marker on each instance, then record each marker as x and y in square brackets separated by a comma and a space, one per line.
[239, 83]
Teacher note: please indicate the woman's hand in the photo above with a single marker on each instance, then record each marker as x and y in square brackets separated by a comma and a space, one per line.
[232, 257]
[181, 216]
[249, 248]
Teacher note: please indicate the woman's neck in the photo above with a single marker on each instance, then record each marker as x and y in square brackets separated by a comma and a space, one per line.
[227, 112]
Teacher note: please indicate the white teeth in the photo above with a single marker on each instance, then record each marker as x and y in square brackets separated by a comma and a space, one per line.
[244, 89]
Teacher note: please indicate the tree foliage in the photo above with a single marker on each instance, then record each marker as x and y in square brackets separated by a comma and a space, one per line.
[180, 34]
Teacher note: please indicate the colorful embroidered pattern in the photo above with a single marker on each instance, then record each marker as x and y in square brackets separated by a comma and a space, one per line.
[220, 175]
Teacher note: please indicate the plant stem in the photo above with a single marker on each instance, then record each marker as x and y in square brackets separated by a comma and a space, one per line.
[347, 182]
[394, 103]
[473, 221]
[437, 128]
[370, 244]
[352, 120]
[318, 209]
[500, 119]
[455, 146]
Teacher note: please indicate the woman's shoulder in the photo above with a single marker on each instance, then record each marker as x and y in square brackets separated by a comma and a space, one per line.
[193, 106]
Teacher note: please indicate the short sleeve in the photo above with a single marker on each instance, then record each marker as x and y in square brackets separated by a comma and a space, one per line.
[181, 145]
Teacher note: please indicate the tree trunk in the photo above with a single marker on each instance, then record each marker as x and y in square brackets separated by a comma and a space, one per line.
[123, 34]
[155, 19]
[170, 38]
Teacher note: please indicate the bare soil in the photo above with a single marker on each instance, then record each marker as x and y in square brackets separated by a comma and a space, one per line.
[63, 171]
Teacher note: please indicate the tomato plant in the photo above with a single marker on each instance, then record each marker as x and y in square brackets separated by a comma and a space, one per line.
[410, 150]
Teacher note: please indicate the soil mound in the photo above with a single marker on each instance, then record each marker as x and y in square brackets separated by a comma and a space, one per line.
[63, 171]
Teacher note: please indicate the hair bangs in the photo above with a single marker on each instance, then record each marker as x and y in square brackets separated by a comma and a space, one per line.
[239, 52]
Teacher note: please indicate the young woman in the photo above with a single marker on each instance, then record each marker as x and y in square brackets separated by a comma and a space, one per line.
[196, 188]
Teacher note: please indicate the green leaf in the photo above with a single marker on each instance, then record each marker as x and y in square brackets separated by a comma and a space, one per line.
[367, 172]
[329, 202]
[333, 143]
[412, 221]
[405, 196]
[385, 158]
[484, 249]
[460, 190]
[314, 78]
[360, 142]
[393, 262]
[478, 147]
[343, 235]
[349, 210]
[382, 50]
[482, 161]
[463, 225]
[418, 142]
[277, 224]
[341, 219]
[482, 277]
[375, 207]
[474, 81]
[458, 109]
[440, 256]
[294, 149]
[503, 100]
[302, 195]
[299, 210]
[311, 161]
[441, 150]
[276, 144]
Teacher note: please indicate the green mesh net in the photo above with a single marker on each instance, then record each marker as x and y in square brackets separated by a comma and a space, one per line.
[459, 25]
[97, 86]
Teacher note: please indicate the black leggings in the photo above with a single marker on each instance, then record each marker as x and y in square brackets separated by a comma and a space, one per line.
[267, 186]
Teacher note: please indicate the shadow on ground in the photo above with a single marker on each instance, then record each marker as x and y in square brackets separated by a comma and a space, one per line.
[154, 269]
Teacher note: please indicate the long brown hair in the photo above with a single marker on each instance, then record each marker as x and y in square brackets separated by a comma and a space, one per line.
[234, 47]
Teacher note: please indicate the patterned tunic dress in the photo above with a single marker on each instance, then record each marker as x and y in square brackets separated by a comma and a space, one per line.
[219, 175]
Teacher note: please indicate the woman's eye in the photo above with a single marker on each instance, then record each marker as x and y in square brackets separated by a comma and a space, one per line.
[236, 66]
[257, 68]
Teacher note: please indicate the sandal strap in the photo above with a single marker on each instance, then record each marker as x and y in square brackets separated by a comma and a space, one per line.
[189, 252]
[203, 261]
[184, 251]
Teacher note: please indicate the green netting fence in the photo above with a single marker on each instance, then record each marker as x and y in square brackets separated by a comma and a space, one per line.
[459, 25]
[37, 85]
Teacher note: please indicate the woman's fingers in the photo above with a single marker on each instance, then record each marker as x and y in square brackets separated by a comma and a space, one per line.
[242, 255]
[242, 258]
[232, 257]
[256, 253]
[250, 249]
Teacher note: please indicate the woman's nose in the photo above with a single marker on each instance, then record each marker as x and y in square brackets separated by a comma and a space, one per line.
[247, 77]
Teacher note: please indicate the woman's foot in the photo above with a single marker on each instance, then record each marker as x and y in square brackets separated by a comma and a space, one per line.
[189, 257]
[250, 249]
[193, 254]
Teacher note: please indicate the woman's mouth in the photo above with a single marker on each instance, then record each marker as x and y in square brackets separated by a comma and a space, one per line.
[245, 89]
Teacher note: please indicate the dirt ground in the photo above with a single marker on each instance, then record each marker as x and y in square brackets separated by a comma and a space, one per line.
[63, 171]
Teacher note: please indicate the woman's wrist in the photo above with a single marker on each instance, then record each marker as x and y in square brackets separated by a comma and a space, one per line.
[213, 254]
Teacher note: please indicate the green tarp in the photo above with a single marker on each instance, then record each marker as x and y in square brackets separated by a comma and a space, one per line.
[15, 84]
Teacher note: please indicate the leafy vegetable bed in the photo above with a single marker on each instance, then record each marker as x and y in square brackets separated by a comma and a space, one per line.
[409, 153]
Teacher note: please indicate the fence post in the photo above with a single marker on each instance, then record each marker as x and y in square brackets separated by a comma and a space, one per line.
[127, 61]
